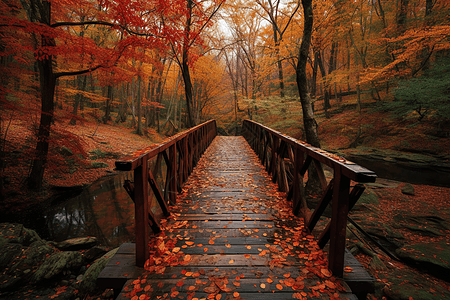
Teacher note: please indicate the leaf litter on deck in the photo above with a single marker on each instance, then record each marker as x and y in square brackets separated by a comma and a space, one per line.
[292, 247]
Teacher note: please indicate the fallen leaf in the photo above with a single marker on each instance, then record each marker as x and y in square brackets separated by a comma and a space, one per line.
[348, 269]
[236, 294]
[279, 286]
[231, 261]
[262, 285]
[326, 272]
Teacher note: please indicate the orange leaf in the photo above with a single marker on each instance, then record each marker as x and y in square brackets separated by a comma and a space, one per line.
[287, 275]
[326, 272]
[279, 286]
[231, 261]
[236, 294]
[269, 280]
[189, 243]
[262, 285]
[191, 288]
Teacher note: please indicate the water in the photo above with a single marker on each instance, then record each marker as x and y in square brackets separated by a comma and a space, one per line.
[103, 210]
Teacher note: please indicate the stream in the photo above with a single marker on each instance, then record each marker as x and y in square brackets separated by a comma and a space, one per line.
[103, 210]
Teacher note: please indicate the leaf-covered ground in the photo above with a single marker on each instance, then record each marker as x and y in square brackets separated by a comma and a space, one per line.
[94, 147]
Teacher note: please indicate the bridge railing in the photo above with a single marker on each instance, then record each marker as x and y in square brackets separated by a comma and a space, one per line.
[287, 160]
[180, 154]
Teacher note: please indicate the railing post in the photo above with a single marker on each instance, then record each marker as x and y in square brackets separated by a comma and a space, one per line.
[297, 184]
[338, 223]
[173, 174]
[141, 213]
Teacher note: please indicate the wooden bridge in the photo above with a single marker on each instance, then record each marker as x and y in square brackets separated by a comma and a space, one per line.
[237, 226]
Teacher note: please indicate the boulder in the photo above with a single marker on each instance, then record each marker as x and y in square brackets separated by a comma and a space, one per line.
[98, 165]
[56, 264]
[408, 189]
[77, 243]
[88, 283]
[433, 258]
[17, 233]
[94, 253]
[404, 284]
[64, 151]
[19, 262]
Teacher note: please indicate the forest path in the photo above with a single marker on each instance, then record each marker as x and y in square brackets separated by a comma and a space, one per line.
[234, 237]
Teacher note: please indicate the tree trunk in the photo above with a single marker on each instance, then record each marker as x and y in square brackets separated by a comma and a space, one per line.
[109, 100]
[139, 106]
[302, 84]
[48, 84]
[185, 67]
[326, 98]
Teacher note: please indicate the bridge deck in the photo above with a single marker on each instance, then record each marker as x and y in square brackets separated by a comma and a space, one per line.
[232, 233]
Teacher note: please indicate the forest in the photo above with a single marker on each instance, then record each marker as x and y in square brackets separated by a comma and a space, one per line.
[170, 65]
[86, 82]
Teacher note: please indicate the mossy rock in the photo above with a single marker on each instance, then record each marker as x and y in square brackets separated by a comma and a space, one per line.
[433, 258]
[368, 197]
[98, 165]
[88, 283]
[17, 233]
[64, 151]
[98, 153]
[403, 284]
[56, 264]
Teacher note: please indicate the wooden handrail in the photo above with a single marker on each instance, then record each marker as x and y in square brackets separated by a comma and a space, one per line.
[184, 151]
[283, 155]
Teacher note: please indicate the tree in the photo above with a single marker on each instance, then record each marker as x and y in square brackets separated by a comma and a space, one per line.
[279, 27]
[427, 95]
[52, 24]
[197, 16]
[309, 121]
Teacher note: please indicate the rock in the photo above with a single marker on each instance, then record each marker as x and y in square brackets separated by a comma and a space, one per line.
[88, 283]
[377, 264]
[19, 262]
[56, 264]
[98, 165]
[77, 243]
[64, 151]
[404, 285]
[94, 253]
[9, 252]
[433, 258]
[17, 233]
[408, 189]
